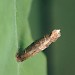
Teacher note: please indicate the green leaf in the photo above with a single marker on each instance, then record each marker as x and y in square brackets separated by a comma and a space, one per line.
[14, 34]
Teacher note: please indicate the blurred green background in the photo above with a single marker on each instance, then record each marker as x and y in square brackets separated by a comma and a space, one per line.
[22, 22]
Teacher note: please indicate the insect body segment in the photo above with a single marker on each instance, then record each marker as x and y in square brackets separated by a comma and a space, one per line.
[38, 46]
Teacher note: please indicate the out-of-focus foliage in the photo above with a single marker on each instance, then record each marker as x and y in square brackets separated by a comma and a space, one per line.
[56, 14]
[20, 20]
[14, 34]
